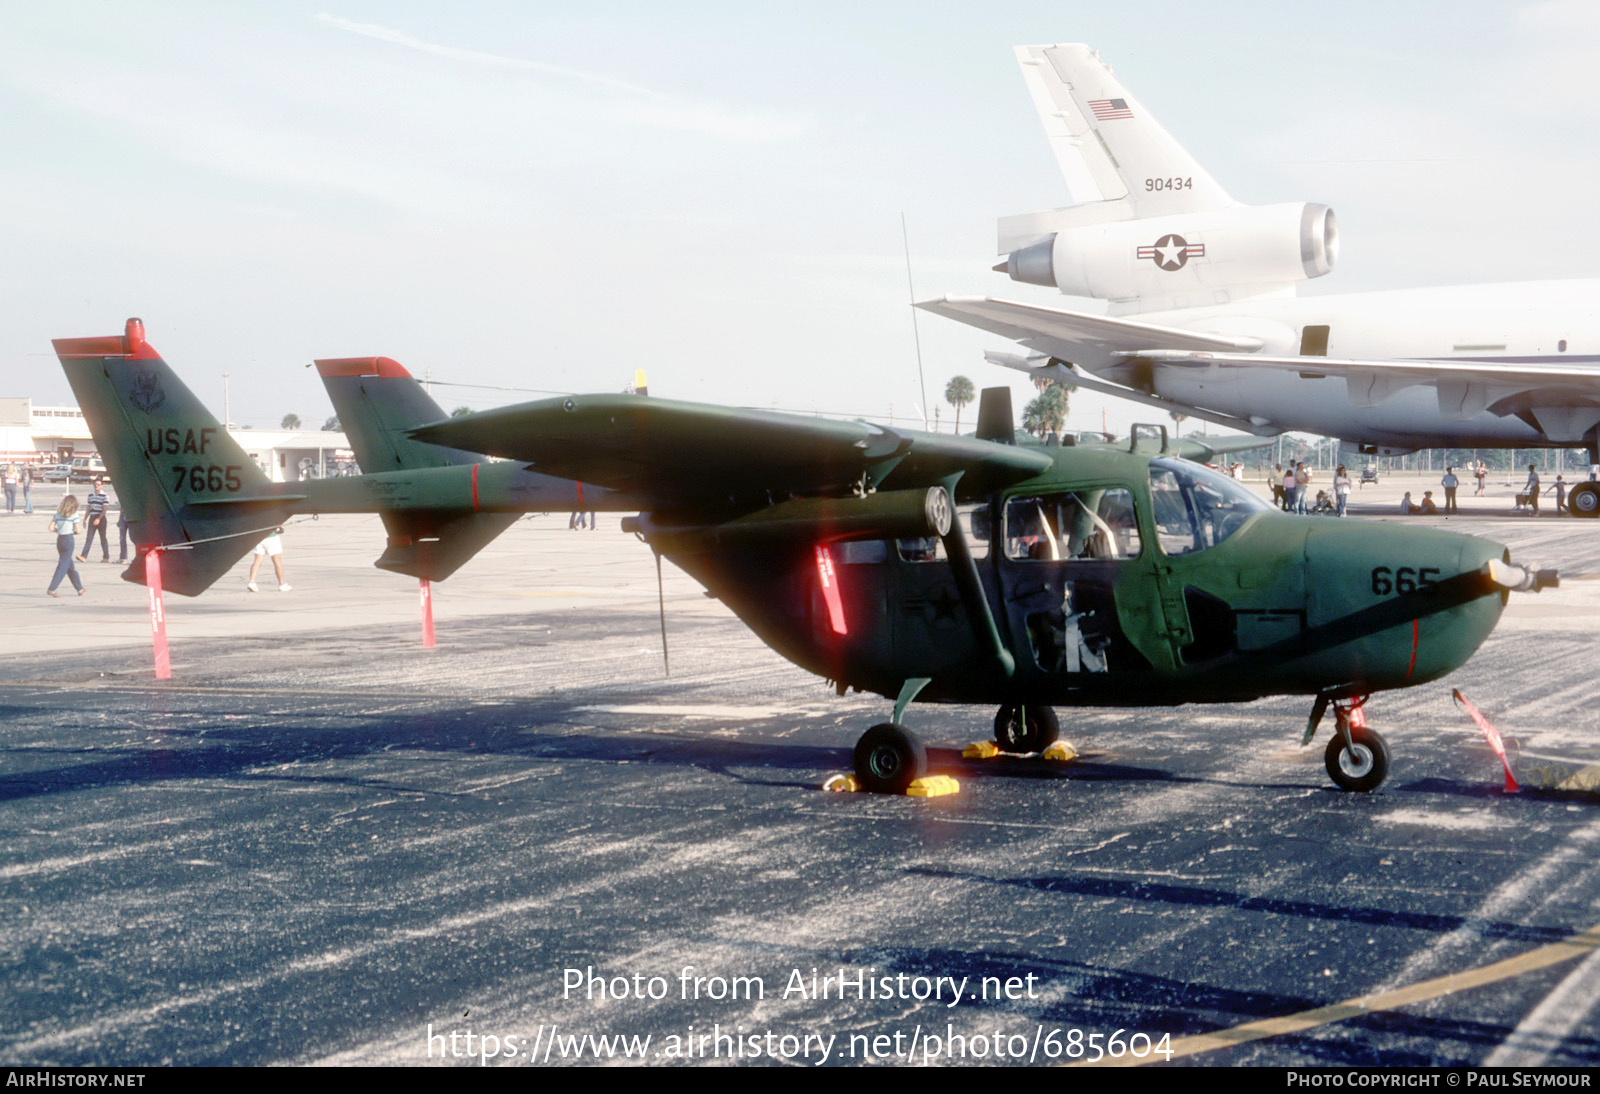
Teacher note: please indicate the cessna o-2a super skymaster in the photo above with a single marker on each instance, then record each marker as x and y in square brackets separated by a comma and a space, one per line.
[913, 565]
[1203, 320]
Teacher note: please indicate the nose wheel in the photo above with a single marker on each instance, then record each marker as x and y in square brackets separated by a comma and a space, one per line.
[1357, 758]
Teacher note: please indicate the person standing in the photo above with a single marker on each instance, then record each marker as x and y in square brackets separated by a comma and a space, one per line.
[1277, 486]
[8, 478]
[65, 525]
[1450, 482]
[1532, 489]
[27, 488]
[1561, 496]
[1288, 488]
[1483, 477]
[1302, 486]
[1341, 489]
[122, 532]
[96, 506]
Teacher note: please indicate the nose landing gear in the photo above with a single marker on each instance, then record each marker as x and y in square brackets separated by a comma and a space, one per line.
[1357, 758]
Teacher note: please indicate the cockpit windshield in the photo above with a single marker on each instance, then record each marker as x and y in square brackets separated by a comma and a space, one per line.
[1196, 508]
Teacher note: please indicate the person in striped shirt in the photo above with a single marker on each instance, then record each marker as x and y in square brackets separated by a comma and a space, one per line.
[96, 507]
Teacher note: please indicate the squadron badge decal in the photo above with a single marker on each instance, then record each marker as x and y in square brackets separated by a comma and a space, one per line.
[145, 390]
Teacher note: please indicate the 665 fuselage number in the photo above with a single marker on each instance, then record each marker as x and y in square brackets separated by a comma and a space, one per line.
[1406, 579]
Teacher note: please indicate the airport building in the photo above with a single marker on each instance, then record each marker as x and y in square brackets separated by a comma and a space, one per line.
[46, 435]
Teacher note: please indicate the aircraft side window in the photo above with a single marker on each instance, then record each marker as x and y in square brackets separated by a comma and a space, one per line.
[1195, 508]
[1096, 523]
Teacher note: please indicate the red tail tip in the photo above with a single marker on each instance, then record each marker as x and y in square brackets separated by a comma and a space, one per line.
[134, 332]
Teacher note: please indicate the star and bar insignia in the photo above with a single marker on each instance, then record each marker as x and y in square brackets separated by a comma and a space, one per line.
[1172, 252]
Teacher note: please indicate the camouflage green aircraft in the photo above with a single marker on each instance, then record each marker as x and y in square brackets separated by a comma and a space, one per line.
[916, 566]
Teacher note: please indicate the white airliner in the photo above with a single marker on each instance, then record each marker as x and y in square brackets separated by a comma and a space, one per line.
[1203, 319]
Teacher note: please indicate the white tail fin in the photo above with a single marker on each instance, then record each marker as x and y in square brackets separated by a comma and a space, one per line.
[1110, 147]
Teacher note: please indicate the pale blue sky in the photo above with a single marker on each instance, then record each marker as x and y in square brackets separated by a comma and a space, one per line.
[548, 197]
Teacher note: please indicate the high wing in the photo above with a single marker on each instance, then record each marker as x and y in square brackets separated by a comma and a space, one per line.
[676, 454]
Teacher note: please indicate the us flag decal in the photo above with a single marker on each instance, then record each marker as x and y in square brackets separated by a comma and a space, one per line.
[1107, 109]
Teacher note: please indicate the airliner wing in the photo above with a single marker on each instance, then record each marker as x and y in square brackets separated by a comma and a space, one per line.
[1557, 399]
[1079, 337]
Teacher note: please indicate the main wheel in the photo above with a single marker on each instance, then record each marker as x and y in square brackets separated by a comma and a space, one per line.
[1584, 501]
[1361, 765]
[1026, 727]
[889, 758]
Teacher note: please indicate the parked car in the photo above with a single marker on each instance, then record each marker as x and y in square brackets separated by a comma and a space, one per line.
[56, 472]
[87, 469]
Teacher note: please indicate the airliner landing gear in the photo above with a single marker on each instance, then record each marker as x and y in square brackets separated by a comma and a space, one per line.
[1584, 500]
[1026, 727]
[1357, 758]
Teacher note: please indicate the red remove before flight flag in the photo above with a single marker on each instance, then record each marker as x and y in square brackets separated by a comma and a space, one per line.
[1494, 739]
[158, 615]
[426, 593]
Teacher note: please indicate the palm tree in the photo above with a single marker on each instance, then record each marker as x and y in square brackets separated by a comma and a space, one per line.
[958, 393]
[291, 421]
[460, 410]
[1047, 413]
[332, 425]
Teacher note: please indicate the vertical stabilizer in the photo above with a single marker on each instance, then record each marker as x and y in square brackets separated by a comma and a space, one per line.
[1107, 143]
[184, 483]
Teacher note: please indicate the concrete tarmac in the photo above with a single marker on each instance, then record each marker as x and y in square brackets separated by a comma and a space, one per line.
[321, 843]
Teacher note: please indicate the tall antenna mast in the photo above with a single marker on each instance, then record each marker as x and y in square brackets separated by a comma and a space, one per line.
[916, 335]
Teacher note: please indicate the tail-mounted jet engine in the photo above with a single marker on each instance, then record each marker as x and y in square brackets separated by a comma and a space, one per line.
[1247, 247]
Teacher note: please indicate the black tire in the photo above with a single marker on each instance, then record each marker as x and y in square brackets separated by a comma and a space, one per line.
[1584, 501]
[1026, 727]
[1362, 768]
[889, 758]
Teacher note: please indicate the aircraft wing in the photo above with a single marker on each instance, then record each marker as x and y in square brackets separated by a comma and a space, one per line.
[673, 454]
[1466, 388]
[1079, 337]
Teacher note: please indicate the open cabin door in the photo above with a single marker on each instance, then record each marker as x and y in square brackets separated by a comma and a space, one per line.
[1078, 585]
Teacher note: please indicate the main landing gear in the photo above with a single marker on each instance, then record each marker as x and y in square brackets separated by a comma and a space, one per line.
[889, 757]
[1026, 727]
[1357, 758]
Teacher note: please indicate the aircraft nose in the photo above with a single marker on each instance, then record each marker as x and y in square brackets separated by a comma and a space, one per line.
[1401, 605]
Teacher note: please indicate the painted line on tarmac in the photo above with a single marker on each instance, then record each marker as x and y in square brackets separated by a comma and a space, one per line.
[1573, 946]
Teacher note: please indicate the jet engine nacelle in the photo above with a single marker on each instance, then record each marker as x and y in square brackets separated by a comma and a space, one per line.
[1253, 247]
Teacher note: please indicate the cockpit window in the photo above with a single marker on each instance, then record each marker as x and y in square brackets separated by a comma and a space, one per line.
[1194, 507]
[1094, 523]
